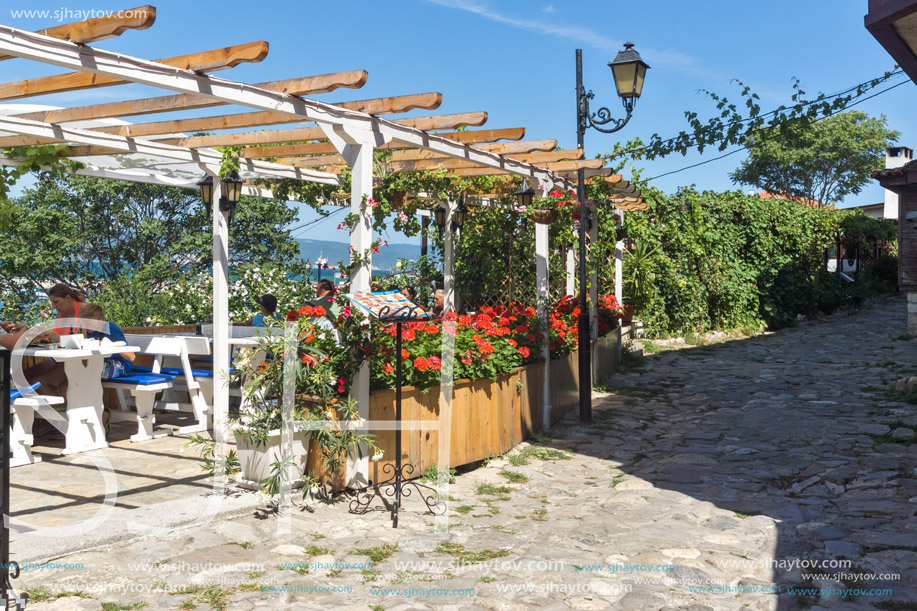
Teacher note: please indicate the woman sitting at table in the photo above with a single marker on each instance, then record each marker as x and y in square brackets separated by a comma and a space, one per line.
[50, 373]
[116, 365]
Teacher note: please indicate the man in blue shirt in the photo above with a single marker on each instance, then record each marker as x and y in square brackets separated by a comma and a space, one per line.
[269, 315]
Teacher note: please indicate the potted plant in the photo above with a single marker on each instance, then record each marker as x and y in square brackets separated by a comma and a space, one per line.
[545, 209]
[324, 362]
[638, 277]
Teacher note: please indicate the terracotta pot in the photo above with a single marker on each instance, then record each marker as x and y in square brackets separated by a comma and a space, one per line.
[544, 216]
[628, 313]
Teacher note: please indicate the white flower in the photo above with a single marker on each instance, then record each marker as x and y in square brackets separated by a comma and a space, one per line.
[329, 415]
[377, 456]
[263, 497]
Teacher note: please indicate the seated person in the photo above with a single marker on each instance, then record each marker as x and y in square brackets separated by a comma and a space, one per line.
[269, 315]
[439, 301]
[325, 299]
[66, 300]
[10, 334]
[116, 365]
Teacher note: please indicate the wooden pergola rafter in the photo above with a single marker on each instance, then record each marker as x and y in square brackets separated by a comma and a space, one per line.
[330, 138]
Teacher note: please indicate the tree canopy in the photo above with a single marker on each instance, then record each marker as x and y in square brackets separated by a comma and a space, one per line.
[88, 232]
[822, 160]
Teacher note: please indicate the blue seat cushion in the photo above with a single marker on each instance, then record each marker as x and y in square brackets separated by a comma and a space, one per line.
[175, 371]
[142, 379]
[15, 393]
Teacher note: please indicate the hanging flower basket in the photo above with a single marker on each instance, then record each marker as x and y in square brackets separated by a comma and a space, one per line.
[398, 199]
[544, 216]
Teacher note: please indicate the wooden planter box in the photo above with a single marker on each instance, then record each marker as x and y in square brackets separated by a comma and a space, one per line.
[488, 417]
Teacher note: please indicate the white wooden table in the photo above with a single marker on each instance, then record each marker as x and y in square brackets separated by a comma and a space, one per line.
[84, 430]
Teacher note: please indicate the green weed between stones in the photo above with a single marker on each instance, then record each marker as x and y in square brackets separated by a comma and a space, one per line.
[491, 490]
[458, 551]
[513, 477]
[377, 554]
[117, 607]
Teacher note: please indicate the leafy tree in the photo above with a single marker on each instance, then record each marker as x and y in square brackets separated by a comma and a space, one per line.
[823, 160]
[91, 232]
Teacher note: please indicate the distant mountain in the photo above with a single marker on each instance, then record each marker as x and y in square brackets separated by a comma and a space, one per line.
[385, 259]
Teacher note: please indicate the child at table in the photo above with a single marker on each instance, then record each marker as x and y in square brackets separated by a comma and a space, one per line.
[116, 365]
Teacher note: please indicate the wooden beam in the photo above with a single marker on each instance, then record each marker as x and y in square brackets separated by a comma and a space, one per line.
[205, 61]
[307, 85]
[375, 106]
[607, 173]
[101, 28]
[447, 163]
[254, 119]
[365, 129]
[321, 148]
[26, 141]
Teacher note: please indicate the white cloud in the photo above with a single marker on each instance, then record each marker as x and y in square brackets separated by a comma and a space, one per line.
[548, 9]
[582, 36]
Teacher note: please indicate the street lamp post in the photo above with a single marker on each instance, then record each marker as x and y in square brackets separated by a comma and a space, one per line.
[629, 72]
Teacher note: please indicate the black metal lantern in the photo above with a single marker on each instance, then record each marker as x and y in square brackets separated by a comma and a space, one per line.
[525, 195]
[439, 217]
[629, 71]
[232, 185]
[459, 215]
[206, 185]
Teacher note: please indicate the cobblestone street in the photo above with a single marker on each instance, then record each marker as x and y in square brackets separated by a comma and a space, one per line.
[777, 472]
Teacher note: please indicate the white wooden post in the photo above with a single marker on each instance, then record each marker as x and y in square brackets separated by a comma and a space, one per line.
[619, 273]
[357, 150]
[571, 271]
[542, 287]
[619, 262]
[220, 315]
[593, 294]
[449, 260]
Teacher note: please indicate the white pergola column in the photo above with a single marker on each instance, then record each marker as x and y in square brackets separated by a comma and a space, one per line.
[542, 288]
[357, 151]
[593, 293]
[571, 271]
[619, 262]
[220, 314]
[619, 272]
[448, 260]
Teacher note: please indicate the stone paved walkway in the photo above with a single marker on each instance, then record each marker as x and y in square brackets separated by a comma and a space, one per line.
[751, 467]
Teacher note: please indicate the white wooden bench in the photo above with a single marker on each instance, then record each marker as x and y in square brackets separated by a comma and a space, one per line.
[186, 393]
[23, 406]
[144, 385]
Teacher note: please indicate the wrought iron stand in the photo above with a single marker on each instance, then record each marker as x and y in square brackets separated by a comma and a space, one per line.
[396, 486]
[10, 570]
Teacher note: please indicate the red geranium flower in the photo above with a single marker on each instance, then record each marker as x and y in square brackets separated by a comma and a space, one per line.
[487, 348]
[451, 316]
[466, 358]
[512, 342]
[407, 335]
[431, 329]
[292, 315]
[421, 363]
[318, 311]
[435, 363]
[524, 352]
[530, 337]
[387, 368]
[405, 355]
[305, 310]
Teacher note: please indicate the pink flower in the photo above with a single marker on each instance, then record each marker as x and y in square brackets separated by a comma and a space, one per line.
[351, 249]
[522, 208]
[372, 203]
[402, 217]
[376, 249]
[347, 312]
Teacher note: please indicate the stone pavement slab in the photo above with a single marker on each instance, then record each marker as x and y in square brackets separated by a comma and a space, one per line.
[762, 473]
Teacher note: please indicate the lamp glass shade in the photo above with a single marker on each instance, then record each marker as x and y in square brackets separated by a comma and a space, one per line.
[460, 215]
[439, 215]
[525, 195]
[629, 72]
[233, 185]
[206, 185]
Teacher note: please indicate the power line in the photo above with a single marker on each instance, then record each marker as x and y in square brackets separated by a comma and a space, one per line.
[316, 221]
[747, 119]
[745, 147]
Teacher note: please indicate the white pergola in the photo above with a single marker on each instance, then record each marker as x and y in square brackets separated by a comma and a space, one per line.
[344, 134]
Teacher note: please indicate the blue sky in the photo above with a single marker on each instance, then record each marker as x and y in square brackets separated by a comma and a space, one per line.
[515, 59]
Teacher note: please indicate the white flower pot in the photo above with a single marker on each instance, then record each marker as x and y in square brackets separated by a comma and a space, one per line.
[255, 461]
